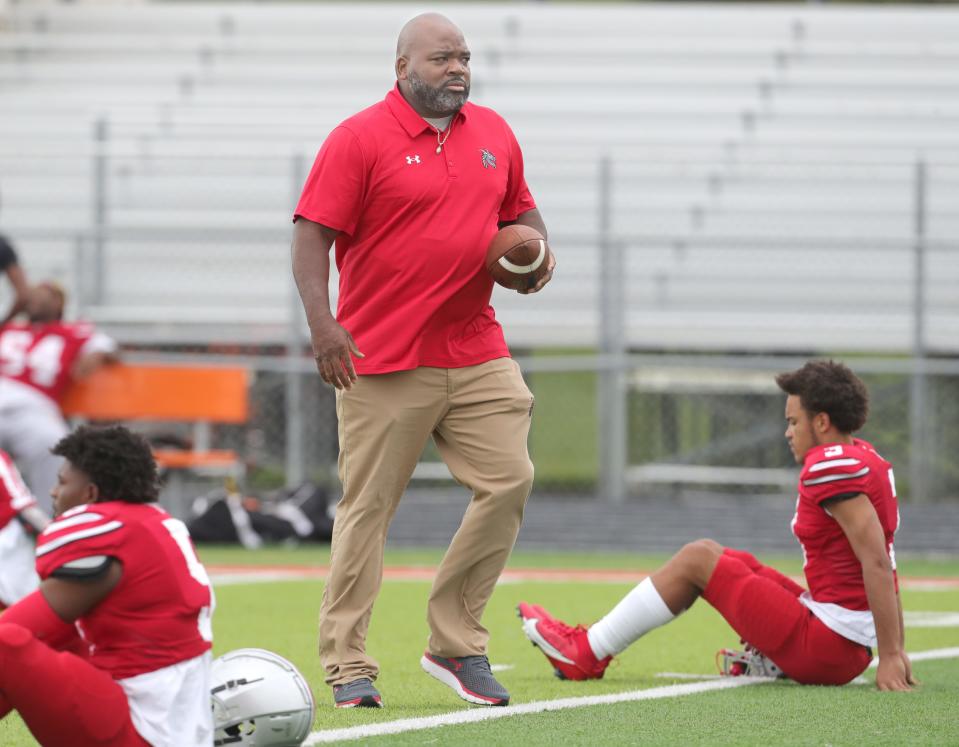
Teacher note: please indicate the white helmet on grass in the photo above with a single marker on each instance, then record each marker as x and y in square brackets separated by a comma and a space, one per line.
[260, 700]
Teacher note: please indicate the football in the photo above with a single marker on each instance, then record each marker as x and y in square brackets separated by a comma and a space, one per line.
[517, 257]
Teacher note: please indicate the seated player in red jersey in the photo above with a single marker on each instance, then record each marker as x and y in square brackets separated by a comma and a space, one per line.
[20, 522]
[846, 515]
[119, 571]
[39, 358]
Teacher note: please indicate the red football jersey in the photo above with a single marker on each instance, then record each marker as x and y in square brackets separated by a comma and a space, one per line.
[14, 494]
[41, 355]
[159, 613]
[833, 572]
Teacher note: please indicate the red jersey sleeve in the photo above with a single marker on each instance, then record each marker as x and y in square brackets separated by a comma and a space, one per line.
[82, 532]
[334, 190]
[518, 199]
[835, 471]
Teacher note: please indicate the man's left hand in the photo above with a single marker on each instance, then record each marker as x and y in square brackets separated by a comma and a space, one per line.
[543, 280]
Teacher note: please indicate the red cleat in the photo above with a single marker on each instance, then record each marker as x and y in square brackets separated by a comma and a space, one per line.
[567, 648]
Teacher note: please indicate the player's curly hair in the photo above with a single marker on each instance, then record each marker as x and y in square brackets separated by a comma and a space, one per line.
[829, 387]
[117, 460]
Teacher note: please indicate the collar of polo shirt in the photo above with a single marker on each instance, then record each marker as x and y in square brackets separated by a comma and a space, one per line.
[412, 122]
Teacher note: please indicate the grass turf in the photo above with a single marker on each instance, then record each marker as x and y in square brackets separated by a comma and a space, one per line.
[282, 616]
[778, 713]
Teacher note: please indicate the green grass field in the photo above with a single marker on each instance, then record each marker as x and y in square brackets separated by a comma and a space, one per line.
[282, 616]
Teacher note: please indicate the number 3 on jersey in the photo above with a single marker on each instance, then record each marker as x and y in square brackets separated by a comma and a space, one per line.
[181, 535]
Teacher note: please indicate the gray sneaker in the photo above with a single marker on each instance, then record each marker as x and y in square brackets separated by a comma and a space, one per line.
[469, 676]
[357, 694]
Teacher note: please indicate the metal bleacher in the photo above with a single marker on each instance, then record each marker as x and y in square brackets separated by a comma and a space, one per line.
[763, 161]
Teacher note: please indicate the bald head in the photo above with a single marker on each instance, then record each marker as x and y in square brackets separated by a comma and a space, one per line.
[433, 65]
[423, 29]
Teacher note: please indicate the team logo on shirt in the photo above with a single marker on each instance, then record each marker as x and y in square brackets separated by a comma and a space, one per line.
[410, 160]
[489, 160]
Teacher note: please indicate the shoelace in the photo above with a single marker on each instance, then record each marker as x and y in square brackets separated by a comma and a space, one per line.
[562, 629]
[480, 661]
[569, 632]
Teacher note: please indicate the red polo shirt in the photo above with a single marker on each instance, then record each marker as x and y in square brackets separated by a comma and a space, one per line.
[414, 229]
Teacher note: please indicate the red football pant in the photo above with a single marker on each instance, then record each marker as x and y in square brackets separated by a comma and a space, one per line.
[763, 606]
[64, 700]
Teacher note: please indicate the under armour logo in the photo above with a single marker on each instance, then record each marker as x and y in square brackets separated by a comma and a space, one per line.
[410, 160]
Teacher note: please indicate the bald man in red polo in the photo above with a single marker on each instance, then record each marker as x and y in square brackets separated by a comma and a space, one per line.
[411, 190]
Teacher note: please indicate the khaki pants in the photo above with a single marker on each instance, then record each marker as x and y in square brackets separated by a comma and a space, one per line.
[479, 417]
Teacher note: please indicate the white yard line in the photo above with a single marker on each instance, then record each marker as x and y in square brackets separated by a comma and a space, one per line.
[256, 577]
[919, 619]
[473, 715]
[935, 653]
[928, 584]
[232, 575]
[485, 714]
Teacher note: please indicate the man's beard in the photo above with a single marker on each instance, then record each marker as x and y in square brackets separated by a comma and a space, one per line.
[440, 100]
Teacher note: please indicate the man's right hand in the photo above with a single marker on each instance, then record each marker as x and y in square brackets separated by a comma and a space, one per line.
[891, 674]
[910, 678]
[333, 348]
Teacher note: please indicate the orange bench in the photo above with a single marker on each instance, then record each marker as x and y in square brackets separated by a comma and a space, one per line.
[202, 395]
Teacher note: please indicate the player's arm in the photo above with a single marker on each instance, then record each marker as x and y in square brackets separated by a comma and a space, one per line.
[71, 592]
[18, 280]
[33, 519]
[332, 344]
[77, 587]
[15, 492]
[99, 350]
[860, 523]
[902, 643]
[533, 219]
[87, 364]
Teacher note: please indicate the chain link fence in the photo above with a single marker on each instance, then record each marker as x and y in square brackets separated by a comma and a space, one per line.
[713, 425]
[610, 418]
[750, 202]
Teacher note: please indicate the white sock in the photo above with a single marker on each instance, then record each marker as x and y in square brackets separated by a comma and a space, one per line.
[639, 612]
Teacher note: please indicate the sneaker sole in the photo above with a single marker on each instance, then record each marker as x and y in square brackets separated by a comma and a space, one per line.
[449, 679]
[367, 701]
